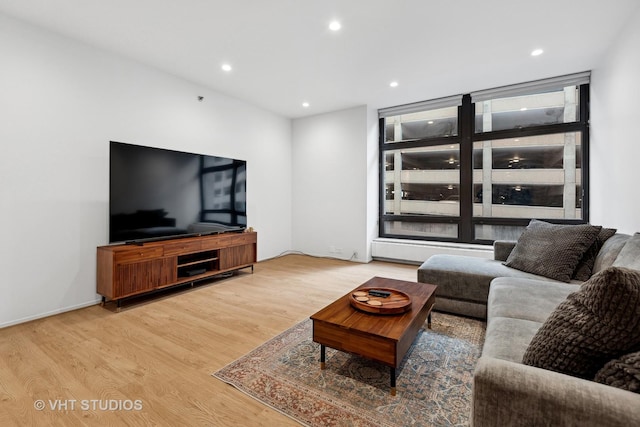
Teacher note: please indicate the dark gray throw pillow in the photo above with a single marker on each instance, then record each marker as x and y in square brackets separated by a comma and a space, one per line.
[585, 267]
[552, 250]
[594, 325]
[623, 373]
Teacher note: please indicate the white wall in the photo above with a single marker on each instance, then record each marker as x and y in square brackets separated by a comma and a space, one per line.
[373, 178]
[330, 184]
[615, 135]
[61, 102]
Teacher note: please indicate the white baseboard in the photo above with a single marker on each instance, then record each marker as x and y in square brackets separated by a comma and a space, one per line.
[49, 313]
[417, 251]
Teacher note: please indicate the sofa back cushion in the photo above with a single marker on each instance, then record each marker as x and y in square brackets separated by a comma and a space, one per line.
[594, 325]
[629, 255]
[609, 252]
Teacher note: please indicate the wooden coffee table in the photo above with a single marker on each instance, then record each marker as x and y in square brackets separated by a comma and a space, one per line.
[384, 338]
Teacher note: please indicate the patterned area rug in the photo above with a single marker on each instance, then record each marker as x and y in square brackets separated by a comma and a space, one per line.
[433, 383]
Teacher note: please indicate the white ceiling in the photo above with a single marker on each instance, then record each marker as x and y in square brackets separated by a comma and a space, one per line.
[283, 53]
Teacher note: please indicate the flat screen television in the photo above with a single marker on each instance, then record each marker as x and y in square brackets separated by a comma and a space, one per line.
[157, 194]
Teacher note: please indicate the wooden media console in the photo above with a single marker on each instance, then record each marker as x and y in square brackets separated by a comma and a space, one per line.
[126, 270]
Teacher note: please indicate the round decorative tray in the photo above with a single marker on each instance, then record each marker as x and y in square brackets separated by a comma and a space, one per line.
[396, 302]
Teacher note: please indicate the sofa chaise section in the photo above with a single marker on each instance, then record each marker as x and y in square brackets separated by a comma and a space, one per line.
[509, 393]
[463, 281]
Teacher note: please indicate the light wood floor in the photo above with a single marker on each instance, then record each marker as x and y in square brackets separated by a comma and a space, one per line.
[162, 351]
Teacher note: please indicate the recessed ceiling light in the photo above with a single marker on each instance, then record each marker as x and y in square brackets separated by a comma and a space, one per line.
[393, 84]
[226, 67]
[335, 26]
[305, 104]
[523, 109]
[537, 52]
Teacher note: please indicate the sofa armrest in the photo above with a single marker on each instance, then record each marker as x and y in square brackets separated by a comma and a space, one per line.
[502, 249]
[511, 394]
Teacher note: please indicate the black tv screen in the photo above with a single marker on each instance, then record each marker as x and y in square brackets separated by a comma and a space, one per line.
[156, 193]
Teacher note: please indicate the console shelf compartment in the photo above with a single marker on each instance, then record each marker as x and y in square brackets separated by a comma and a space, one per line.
[197, 257]
[128, 270]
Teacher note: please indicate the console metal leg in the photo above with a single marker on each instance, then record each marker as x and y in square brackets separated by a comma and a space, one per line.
[118, 305]
[103, 301]
[392, 375]
[429, 321]
[322, 356]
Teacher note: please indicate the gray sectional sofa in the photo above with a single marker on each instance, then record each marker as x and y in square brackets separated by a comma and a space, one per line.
[463, 281]
[516, 304]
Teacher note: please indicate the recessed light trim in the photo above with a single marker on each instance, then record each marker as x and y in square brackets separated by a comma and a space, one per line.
[305, 104]
[335, 25]
[537, 52]
[393, 84]
[226, 67]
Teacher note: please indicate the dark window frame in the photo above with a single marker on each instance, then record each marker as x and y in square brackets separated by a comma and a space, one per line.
[466, 136]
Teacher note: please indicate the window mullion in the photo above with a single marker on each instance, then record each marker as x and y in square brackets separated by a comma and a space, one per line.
[466, 130]
[584, 119]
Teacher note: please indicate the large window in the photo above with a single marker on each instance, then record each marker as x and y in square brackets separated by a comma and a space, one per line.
[479, 167]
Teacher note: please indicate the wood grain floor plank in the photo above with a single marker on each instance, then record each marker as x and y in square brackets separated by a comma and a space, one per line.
[161, 350]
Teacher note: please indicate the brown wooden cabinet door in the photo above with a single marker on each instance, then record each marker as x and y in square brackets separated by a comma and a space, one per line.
[133, 278]
[237, 256]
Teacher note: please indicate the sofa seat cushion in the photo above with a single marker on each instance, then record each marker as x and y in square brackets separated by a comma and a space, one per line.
[507, 338]
[526, 299]
[465, 278]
